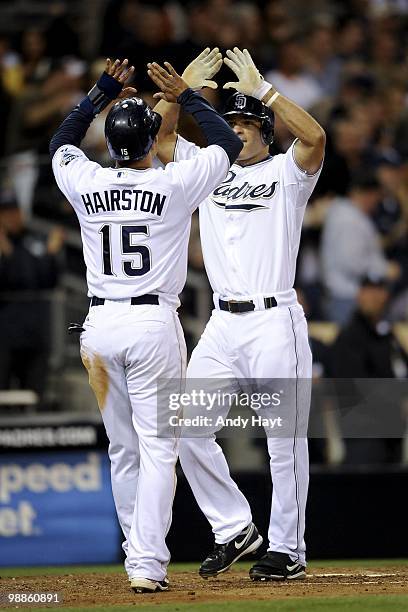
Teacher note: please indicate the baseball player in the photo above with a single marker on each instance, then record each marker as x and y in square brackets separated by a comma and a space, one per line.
[250, 230]
[135, 223]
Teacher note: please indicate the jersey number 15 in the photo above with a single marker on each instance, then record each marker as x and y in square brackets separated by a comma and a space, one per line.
[129, 267]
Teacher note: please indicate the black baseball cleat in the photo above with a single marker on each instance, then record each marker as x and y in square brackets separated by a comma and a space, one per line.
[277, 566]
[146, 585]
[224, 555]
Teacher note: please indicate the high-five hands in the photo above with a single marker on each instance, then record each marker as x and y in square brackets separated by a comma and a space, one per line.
[203, 68]
[121, 72]
[170, 83]
[200, 71]
[250, 81]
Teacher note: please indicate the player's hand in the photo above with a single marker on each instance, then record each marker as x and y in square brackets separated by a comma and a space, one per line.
[203, 68]
[127, 92]
[110, 84]
[250, 81]
[120, 71]
[170, 83]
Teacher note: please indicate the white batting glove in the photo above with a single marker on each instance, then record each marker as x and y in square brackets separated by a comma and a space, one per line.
[203, 68]
[250, 81]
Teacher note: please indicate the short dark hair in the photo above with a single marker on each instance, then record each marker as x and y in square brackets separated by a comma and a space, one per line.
[375, 280]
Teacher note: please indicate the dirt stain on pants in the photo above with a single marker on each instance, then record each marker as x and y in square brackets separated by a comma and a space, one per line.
[98, 377]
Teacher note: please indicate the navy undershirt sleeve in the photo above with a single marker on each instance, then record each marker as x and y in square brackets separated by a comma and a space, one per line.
[215, 128]
[73, 129]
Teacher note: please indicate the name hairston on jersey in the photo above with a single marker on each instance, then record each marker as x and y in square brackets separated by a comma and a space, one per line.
[112, 200]
[227, 196]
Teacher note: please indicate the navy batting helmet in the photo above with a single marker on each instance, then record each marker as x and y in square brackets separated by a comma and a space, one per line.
[240, 104]
[130, 129]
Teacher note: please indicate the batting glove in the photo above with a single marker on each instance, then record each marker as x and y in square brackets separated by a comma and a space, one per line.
[202, 68]
[250, 81]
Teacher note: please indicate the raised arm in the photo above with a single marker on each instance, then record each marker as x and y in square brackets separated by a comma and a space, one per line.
[197, 75]
[167, 135]
[216, 130]
[108, 87]
[309, 149]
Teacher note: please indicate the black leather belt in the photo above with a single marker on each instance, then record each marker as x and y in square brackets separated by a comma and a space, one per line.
[135, 301]
[245, 306]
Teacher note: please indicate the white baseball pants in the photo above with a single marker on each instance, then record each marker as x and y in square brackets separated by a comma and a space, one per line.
[126, 349]
[265, 344]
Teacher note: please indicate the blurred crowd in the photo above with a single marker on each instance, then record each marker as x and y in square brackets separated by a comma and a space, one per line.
[345, 61]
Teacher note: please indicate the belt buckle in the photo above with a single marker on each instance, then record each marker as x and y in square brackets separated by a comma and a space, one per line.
[238, 302]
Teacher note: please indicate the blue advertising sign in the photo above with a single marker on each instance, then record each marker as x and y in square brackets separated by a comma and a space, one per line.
[57, 508]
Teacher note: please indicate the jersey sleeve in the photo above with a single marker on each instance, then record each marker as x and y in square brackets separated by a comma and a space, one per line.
[293, 174]
[184, 149]
[70, 165]
[201, 174]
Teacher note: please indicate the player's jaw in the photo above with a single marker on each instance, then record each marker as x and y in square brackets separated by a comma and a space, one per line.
[249, 131]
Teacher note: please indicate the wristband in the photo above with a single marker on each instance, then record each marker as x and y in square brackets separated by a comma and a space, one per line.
[263, 89]
[185, 96]
[106, 89]
[272, 99]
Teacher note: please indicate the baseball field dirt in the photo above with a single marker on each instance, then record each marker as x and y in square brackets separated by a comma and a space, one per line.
[94, 588]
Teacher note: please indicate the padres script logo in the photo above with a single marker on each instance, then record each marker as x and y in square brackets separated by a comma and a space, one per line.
[226, 196]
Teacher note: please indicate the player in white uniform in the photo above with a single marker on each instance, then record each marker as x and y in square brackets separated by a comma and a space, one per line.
[135, 224]
[250, 230]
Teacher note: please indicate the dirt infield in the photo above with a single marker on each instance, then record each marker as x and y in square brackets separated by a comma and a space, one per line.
[83, 590]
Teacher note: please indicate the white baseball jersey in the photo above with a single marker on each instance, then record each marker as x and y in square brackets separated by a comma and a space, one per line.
[250, 225]
[135, 224]
[250, 232]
